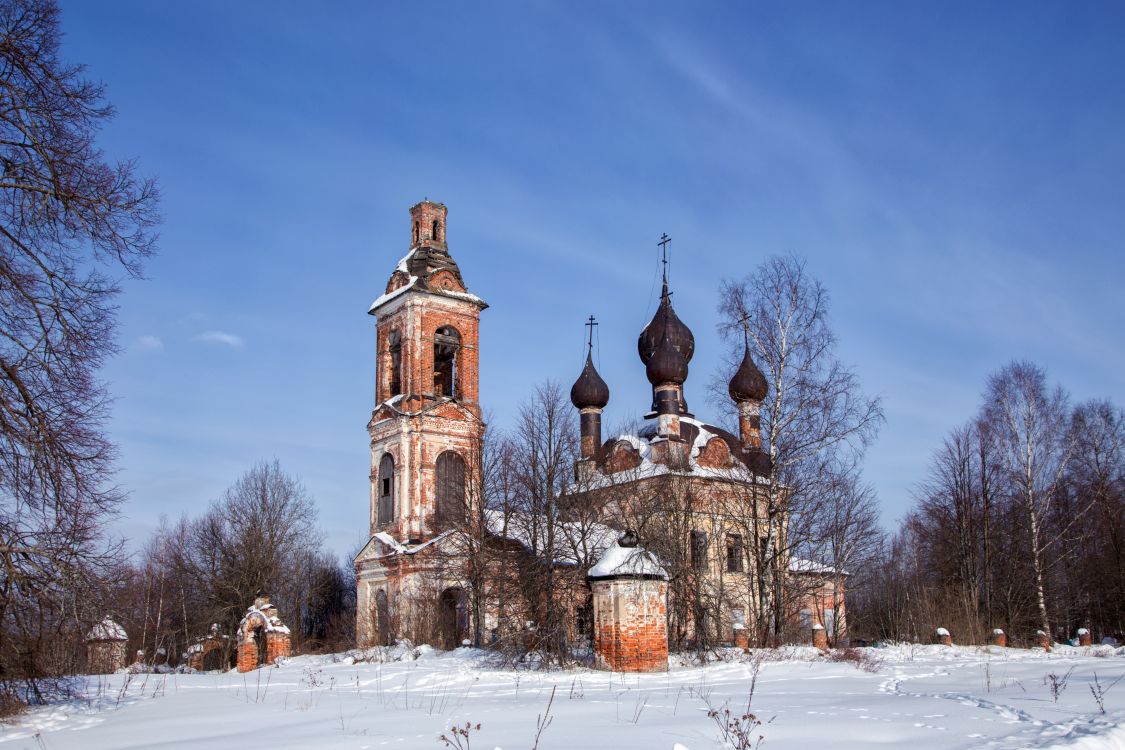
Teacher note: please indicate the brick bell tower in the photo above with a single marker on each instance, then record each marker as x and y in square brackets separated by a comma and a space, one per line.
[425, 435]
[426, 428]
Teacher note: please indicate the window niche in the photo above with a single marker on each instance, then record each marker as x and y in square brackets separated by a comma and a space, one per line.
[447, 349]
[450, 489]
[734, 553]
[699, 550]
[394, 349]
[386, 490]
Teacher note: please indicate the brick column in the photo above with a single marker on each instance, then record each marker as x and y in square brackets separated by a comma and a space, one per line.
[819, 637]
[630, 609]
[942, 636]
[1043, 640]
[277, 646]
[248, 655]
[1084, 638]
[999, 638]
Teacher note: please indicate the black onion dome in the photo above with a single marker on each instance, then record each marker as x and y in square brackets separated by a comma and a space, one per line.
[748, 383]
[665, 323]
[666, 365]
[589, 391]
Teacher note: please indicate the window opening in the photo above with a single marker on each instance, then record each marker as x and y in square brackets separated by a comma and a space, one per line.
[395, 349]
[734, 553]
[386, 489]
[450, 490]
[699, 550]
[447, 346]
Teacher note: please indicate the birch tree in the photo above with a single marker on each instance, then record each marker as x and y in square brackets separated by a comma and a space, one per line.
[814, 407]
[1029, 421]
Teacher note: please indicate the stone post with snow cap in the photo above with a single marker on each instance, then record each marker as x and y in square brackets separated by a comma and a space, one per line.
[1084, 638]
[942, 636]
[630, 593]
[1043, 640]
[999, 638]
[819, 637]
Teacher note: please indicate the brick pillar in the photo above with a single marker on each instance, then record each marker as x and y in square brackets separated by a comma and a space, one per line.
[630, 609]
[1084, 638]
[999, 638]
[1043, 640]
[277, 646]
[248, 655]
[942, 636]
[741, 637]
[819, 637]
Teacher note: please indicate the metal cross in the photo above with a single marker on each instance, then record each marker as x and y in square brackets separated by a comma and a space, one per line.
[664, 240]
[744, 322]
[590, 339]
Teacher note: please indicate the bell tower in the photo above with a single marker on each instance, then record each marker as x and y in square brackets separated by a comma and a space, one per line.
[425, 431]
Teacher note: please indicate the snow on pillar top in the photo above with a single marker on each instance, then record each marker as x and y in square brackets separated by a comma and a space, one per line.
[626, 560]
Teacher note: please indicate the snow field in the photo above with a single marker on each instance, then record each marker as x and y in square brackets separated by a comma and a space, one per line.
[923, 697]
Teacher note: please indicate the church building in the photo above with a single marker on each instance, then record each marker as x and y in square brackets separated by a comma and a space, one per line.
[693, 492]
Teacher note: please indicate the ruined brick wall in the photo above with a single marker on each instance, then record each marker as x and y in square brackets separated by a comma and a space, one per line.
[104, 657]
[630, 624]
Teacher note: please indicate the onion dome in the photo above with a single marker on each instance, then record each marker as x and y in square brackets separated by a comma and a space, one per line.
[665, 323]
[667, 364]
[589, 391]
[748, 383]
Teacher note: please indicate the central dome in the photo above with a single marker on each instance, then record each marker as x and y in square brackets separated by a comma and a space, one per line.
[665, 324]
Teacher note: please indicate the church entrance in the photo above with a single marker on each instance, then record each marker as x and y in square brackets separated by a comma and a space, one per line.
[453, 618]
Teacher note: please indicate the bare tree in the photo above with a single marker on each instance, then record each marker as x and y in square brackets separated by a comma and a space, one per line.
[814, 407]
[262, 536]
[1029, 422]
[69, 222]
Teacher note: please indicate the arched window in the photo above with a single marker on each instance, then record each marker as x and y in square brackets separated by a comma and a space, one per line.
[449, 494]
[386, 490]
[447, 345]
[436, 230]
[395, 348]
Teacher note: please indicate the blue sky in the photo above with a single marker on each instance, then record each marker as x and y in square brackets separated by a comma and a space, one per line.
[952, 172]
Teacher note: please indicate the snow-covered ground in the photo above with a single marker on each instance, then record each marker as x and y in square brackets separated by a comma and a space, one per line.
[919, 697]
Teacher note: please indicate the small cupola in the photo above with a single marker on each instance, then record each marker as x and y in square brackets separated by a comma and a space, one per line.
[589, 391]
[427, 222]
[590, 394]
[748, 383]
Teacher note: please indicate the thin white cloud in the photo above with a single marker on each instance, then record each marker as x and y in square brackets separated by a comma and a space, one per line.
[220, 337]
[150, 343]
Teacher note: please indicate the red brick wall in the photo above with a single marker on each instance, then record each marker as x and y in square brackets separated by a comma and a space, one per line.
[630, 625]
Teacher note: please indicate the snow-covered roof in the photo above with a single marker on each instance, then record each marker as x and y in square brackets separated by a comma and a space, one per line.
[415, 282]
[627, 561]
[643, 443]
[107, 630]
[573, 540]
[800, 565]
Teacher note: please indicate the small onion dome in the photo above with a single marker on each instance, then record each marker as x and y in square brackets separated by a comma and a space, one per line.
[666, 365]
[589, 391]
[665, 323]
[628, 539]
[748, 383]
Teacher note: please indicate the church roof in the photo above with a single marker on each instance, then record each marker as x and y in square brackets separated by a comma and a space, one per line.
[696, 434]
[415, 272]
